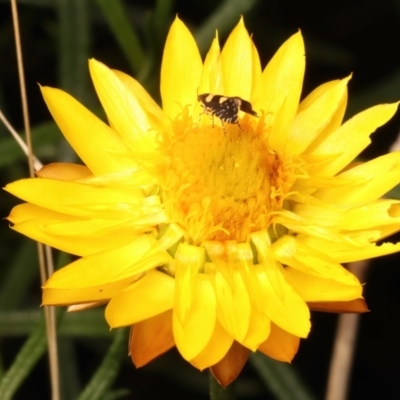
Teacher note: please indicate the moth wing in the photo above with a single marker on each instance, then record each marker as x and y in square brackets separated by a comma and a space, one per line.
[246, 107]
[228, 111]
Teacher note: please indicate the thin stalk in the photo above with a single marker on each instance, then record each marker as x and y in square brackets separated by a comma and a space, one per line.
[343, 350]
[49, 315]
[217, 392]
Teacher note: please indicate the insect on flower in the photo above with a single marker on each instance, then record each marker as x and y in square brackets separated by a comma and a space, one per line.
[225, 108]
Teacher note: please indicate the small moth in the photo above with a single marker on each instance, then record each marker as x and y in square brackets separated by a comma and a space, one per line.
[225, 108]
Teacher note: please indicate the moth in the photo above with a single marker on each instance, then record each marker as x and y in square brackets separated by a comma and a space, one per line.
[225, 108]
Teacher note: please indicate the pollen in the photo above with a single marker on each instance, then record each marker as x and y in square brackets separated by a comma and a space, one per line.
[217, 186]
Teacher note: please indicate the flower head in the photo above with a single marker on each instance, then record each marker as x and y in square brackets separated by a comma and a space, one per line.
[213, 237]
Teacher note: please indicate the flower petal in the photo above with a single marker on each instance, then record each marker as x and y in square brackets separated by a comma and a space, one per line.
[79, 199]
[292, 252]
[313, 288]
[155, 115]
[345, 253]
[123, 110]
[237, 63]
[229, 282]
[257, 73]
[69, 234]
[284, 306]
[279, 92]
[99, 147]
[371, 216]
[352, 306]
[151, 338]
[229, 368]
[215, 350]
[138, 256]
[212, 77]
[64, 171]
[376, 178]
[350, 139]
[180, 70]
[89, 294]
[259, 330]
[126, 308]
[194, 333]
[189, 260]
[310, 122]
[337, 117]
[280, 345]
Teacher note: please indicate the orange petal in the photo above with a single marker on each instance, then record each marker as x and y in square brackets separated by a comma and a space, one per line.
[229, 368]
[280, 345]
[352, 306]
[64, 171]
[151, 338]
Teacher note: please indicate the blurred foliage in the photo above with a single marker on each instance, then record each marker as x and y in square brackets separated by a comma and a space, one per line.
[58, 38]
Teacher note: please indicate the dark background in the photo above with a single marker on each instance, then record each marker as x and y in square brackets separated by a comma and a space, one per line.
[341, 37]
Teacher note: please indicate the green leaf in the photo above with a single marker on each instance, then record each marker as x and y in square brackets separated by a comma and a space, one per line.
[121, 27]
[73, 48]
[43, 135]
[34, 347]
[225, 17]
[89, 323]
[280, 378]
[19, 275]
[107, 372]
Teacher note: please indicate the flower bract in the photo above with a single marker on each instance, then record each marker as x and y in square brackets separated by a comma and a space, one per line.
[213, 237]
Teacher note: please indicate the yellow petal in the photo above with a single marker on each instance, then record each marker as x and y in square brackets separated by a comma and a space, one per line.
[351, 138]
[280, 89]
[151, 338]
[180, 71]
[310, 122]
[280, 345]
[346, 252]
[127, 308]
[81, 238]
[76, 198]
[297, 224]
[284, 306]
[154, 113]
[337, 117]
[215, 350]
[259, 330]
[193, 334]
[123, 109]
[371, 215]
[314, 288]
[377, 177]
[234, 308]
[294, 253]
[189, 259]
[230, 286]
[138, 256]
[100, 293]
[212, 77]
[237, 63]
[99, 147]
[257, 73]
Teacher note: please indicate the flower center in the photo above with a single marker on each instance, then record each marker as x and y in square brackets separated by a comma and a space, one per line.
[219, 184]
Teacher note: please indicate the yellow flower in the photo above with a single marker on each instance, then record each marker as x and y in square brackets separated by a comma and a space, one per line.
[214, 240]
